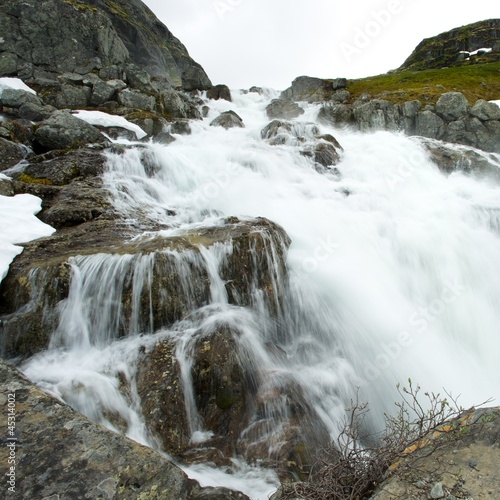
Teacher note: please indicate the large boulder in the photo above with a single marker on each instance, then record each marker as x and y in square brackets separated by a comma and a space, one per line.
[377, 114]
[15, 98]
[485, 110]
[281, 108]
[452, 106]
[62, 454]
[64, 131]
[10, 154]
[306, 88]
[44, 39]
[228, 119]
[219, 92]
[337, 115]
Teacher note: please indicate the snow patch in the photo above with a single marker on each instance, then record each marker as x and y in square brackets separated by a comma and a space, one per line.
[102, 119]
[13, 83]
[18, 224]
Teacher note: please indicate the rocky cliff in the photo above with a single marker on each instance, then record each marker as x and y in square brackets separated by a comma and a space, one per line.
[472, 44]
[44, 38]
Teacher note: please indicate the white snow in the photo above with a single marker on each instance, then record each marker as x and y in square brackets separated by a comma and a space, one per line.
[18, 224]
[106, 120]
[14, 83]
[484, 50]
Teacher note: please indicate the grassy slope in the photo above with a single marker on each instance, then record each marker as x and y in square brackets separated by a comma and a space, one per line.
[478, 81]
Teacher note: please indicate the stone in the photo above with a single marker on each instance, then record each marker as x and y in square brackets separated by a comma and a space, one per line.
[428, 124]
[305, 88]
[452, 105]
[57, 440]
[437, 491]
[323, 154]
[101, 92]
[136, 100]
[138, 78]
[409, 111]
[35, 112]
[164, 138]
[6, 187]
[219, 92]
[63, 131]
[377, 114]
[339, 83]
[8, 64]
[281, 108]
[180, 127]
[341, 96]
[228, 119]
[72, 97]
[195, 78]
[15, 98]
[10, 154]
[336, 115]
[174, 104]
[485, 110]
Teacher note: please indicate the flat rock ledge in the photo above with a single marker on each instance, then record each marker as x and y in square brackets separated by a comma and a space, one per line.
[60, 454]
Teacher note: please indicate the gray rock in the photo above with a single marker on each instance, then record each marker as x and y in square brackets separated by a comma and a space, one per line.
[180, 127]
[10, 154]
[452, 106]
[6, 187]
[339, 83]
[111, 72]
[281, 108]
[341, 96]
[275, 128]
[63, 130]
[15, 98]
[73, 97]
[101, 93]
[8, 64]
[138, 78]
[64, 36]
[377, 114]
[176, 104]
[336, 115]
[485, 110]
[136, 100]
[34, 112]
[195, 78]
[164, 138]
[409, 112]
[428, 124]
[323, 154]
[228, 119]
[437, 491]
[219, 92]
[306, 88]
[65, 455]
[71, 78]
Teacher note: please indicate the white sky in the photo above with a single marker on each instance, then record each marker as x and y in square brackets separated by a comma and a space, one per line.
[268, 43]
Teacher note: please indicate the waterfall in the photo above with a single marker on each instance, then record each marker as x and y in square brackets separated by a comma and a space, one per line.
[392, 273]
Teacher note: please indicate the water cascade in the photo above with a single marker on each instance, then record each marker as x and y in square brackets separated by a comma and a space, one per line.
[391, 272]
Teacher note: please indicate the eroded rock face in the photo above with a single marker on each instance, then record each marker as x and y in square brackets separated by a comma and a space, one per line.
[63, 454]
[91, 35]
[228, 119]
[63, 131]
[281, 108]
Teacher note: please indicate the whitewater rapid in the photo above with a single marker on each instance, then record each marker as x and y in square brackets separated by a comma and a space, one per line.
[393, 269]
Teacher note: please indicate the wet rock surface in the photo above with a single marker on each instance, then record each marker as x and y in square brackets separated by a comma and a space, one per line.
[61, 454]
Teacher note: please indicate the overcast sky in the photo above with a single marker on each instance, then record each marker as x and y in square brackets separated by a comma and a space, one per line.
[268, 43]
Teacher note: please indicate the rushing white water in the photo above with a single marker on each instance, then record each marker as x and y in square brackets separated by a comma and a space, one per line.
[393, 274]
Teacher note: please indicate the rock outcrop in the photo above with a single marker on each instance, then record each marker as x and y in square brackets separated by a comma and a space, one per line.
[459, 46]
[42, 40]
[451, 119]
[51, 451]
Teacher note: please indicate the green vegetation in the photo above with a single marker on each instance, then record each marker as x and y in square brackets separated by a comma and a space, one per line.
[80, 6]
[34, 180]
[481, 81]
